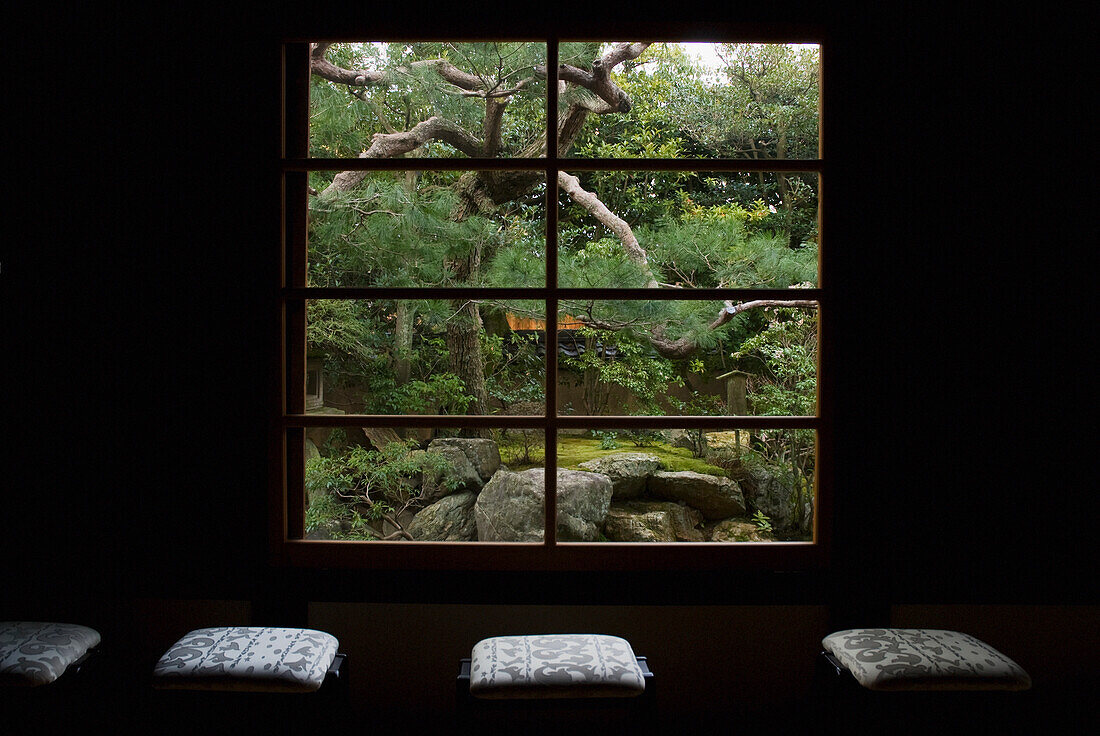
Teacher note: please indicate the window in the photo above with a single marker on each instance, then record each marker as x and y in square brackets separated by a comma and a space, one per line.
[552, 331]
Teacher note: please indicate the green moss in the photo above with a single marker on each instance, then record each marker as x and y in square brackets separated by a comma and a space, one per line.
[572, 451]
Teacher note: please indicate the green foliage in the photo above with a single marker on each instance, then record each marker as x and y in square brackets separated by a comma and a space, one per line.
[763, 523]
[642, 437]
[608, 439]
[362, 485]
[700, 230]
[761, 103]
[783, 357]
[388, 233]
[340, 329]
[361, 351]
[514, 371]
[343, 118]
[708, 250]
[770, 100]
[645, 375]
[335, 440]
[520, 448]
[601, 262]
[340, 520]
[697, 405]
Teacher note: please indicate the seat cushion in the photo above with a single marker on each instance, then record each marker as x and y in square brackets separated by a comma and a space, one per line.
[37, 653]
[923, 659]
[554, 666]
[247, 658]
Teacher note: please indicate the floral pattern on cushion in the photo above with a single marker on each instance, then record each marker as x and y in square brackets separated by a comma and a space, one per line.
[247, 658]
[555, 666]
[923, 659]
[37, 653]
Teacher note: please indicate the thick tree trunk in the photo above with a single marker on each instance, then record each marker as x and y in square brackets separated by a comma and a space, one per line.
[463, 330]
[464, 347]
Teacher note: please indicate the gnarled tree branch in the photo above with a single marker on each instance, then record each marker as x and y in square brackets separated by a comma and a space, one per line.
[494, 116]
[389, 145]
[685, 346]
[502, 186]
[598, 79]
[325, 69]
[611, 221]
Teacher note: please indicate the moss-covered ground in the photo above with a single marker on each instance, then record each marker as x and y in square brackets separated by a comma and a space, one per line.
[572, 451]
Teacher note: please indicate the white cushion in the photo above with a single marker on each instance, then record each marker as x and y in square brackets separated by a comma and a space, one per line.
[247, 658]
[554, 666]
[923, 659]
[37, 653]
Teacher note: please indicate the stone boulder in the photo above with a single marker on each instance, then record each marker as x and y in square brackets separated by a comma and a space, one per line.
[628, 471]
[772, 495]
[450, 519]
[470, 463]
[510, 506]
[738, 530]
[483, 454]
[714, 496]
[383, 529]
[689, 439]
[652, 521]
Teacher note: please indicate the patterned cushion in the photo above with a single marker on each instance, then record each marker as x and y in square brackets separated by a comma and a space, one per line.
[241, 658]
[34, 653]
[554, 666]
[924, 659]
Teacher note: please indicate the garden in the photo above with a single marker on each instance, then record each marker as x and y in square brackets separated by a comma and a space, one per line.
[729, 256]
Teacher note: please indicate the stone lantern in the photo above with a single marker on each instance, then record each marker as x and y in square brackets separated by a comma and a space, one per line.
[736, 403]
[315, 404]
[315, 384]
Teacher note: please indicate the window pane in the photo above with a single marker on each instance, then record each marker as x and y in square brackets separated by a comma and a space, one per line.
[698, 100]
[423, 229]
[457, 100]
[688, 358]
[427, 485]
[689, 485]
[679, 229]
[424, 357]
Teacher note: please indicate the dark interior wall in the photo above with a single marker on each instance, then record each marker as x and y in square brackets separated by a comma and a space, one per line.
[138, 336]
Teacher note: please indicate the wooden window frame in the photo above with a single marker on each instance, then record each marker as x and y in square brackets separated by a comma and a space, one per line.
[290, 421]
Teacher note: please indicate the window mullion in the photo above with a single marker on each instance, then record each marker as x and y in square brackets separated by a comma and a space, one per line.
[550, 442]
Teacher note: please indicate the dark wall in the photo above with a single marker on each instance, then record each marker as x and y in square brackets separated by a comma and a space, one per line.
[136, 310]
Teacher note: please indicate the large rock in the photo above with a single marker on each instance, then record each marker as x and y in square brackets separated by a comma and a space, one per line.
[451, 519]
[738, 530]
[689, 439]
[628, 471]
[652, 521]
[716, 497]
[510, 506]
[774, 496]
[483, 454]
[470, 463]
[382, 437]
